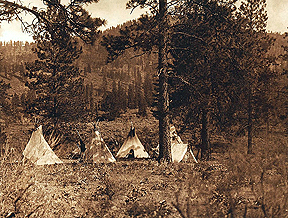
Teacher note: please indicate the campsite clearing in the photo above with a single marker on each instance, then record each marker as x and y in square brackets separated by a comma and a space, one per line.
[232, 182]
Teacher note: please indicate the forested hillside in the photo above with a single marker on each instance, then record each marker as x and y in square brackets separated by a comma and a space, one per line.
[110, 88]
[130, 77]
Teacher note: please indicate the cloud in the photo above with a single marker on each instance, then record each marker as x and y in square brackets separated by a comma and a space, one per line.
[12, 31]
[113, 11]
[277, 15]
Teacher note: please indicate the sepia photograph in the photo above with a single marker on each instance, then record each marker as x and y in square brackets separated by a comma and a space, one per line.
[144, 108]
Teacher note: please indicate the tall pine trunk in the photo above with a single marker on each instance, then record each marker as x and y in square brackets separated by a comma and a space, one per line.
[164, 124]
[205, 149]
[249, 126]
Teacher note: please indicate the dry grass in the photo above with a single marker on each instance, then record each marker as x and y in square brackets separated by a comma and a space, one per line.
[123, 189]
[233, 184]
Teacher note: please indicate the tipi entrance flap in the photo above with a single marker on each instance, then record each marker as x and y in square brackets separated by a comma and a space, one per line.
[132, 142]
[38, 151]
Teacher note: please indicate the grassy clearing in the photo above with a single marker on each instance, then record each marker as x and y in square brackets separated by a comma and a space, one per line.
[232, 184]
[139, 188]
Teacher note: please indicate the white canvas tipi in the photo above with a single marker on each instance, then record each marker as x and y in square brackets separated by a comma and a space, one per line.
[38, 151]
[132, 142]
[98, 150]
[179, 150]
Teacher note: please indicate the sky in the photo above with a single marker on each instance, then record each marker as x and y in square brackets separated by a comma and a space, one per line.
[115, 12]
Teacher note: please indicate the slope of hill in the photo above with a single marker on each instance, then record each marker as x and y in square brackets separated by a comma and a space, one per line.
[16, 82]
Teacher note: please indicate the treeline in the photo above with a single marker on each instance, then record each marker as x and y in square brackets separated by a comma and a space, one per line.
[106, 90]
[14, 55]
[136, 94]
[109, 89]
[126, 83]
[218, 70]
[221, 75]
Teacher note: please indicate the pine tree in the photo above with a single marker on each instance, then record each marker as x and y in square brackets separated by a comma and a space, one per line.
[122, 96]
[104, 84]
[142, 105]
[4, 101]
[254, 62]
[148, 34]
[91, 100]
[204, 74]
[57, 82]
[131, 96]
[113, 103]
[213, 69]
[148, 89]
[75, 19]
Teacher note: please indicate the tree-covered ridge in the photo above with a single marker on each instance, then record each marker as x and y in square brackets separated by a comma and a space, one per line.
[214, 53]
[134, 76]
[127, 71]
[127, 79]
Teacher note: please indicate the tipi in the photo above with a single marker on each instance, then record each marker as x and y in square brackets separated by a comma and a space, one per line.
[38, 151]
[179, 150]
[98, 150]
[132, 143]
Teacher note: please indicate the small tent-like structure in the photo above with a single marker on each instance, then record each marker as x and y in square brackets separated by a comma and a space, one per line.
[133, 143]
[98, 150]
[38, 151]
[179, 150]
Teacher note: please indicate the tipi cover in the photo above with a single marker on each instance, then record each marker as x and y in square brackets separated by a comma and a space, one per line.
[38, 151]
[98, 150]
[178, 148]
[132, 142]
